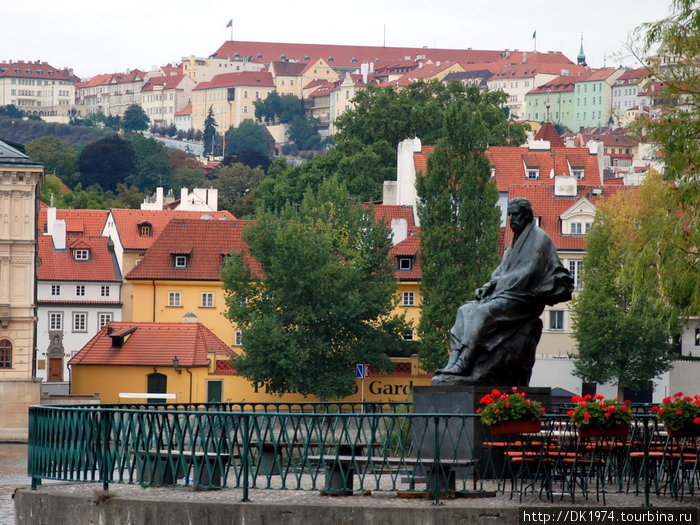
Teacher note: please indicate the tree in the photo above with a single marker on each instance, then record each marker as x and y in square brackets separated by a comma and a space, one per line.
[56, 157]
[135, 119]
[304, 133]
[209, 136]
[624, 336]
[10, 110]
[128, 196]
[152, 163]
[181, 159]
[188, 178]
[249, 135]
[324, 301]
[276, 108]
[235, 183]
[675, 248]
[249, 157]
[106, 162]
[459, 218]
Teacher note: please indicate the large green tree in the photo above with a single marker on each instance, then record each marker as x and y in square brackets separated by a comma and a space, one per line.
[247, 136]
[323, 300]
[459, 218]
[134, 119]
[672, 246]
[624, 334]
[106, 162]
[209, 136]
[153, 167]
[57, 158]
[235, 183]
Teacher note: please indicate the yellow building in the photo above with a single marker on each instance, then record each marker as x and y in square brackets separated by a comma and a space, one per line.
[231, 97]
[185, 362]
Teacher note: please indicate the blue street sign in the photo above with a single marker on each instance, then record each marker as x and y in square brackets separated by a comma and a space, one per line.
[359, 371]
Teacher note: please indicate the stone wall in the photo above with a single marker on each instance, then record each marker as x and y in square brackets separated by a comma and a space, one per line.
[16, 395]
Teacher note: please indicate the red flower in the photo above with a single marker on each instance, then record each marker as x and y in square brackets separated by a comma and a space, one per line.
[654, 408]
[507, 404]
[607, 414]
[627, 402]
[587, 416]
[598, 396]
[610, 408]
[514, 388]
[662, 410]
[478, 411]
[696, 420]
[495, 392]
[666, 400]
[497, 411]
[679, 412]
[570, 413]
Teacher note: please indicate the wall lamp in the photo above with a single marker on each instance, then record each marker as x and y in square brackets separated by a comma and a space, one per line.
[176, 365]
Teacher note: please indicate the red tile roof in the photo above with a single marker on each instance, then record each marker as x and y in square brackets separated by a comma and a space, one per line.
[242, 78]
[409, 247]
[205, 242]
[532, 68]
[388, 212]
[348, 55]
[167, 82]
[558, 85]
[81, 222]
[282, 68]
[152, 344]
[421, 159]
[508, 162]
[40, 70]
[60, 265]
[549, 132]
[549, 209]
[187, 110]
[127, 222]
[600, 74]
[113, 78]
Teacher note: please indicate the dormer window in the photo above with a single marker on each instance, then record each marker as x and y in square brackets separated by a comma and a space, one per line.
[577, 174]
[405, 264]
[532, 174]
[180, 261]
[81, 255]
[145, 230]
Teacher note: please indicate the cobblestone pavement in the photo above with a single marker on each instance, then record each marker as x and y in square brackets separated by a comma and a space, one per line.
[13, 474]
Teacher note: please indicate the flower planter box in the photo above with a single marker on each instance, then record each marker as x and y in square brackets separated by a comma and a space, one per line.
[685, 432]
[598, 431]
[525, 426]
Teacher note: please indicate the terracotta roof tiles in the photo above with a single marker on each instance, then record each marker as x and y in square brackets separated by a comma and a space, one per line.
[152, 344]
[204, 242]
[60, 265]
[82, 222]
[242, 78]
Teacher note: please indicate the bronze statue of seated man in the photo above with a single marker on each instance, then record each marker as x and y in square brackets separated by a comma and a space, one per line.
[508, 307]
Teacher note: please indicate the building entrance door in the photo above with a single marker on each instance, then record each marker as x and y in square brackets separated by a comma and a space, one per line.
[55, 369]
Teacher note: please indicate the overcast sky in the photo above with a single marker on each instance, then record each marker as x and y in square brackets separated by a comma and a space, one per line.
[105, 37]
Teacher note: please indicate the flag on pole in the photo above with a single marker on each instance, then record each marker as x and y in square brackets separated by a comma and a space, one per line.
[534, 34]
[229, 23]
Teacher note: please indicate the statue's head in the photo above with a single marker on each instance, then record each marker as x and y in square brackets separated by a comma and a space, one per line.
[519, 214]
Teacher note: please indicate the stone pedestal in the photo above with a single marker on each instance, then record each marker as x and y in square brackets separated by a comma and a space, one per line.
[458, 438]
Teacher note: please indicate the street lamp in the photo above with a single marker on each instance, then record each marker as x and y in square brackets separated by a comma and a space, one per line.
[176, 365]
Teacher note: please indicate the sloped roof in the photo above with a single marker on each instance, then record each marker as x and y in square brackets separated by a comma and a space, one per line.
[549, 132]
[600, 74]
[127, 221]
[60, 265]
[347, 55]
[187, 110]
[560, 84]
[532, 68]
[152, 344]
[421, 159]
[10, 154]
[388, 212]
[81, 222]
[135, 75]
[508, 163]
[206, 242]
[40, 70]
[549, 208]
[241, 78]
[168, 82]
[282, 68]
[409, 247]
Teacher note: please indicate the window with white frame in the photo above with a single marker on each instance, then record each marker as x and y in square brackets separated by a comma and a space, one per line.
[577, 173]
[207, 300]
[174, 299]
[55, 289]
[405, 264]
[576, 228]
[104, 318]
[55, 321]
[556, 319]
[532, 174]
[408, 299]
[81, 255]
[79, 321]
[181, 261]
[575, 268]
[238, 338]
[104, 291]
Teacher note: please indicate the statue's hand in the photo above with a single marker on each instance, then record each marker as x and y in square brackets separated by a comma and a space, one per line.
[481, 292]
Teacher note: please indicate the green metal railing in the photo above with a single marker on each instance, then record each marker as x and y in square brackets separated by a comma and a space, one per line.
[340, 449]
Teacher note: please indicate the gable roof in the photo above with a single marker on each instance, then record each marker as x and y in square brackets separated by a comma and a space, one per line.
[60, 265]
[40, 70]
[561, 84]
[282, 68]
[409, 247]
[241, 78]
[78, 222]
[387, 212]
[127, 221]
[152, 344]
[508, 163]
[548, 132]
[168, 82]
[205, 242]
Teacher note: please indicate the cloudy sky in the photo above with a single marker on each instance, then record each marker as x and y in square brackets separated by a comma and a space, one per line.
[105, 37]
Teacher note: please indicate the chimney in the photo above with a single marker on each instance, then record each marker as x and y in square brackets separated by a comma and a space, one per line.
[399, 230]
[56, 228]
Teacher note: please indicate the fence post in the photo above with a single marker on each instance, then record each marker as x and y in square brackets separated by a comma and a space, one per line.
[437, 466]
[104, 423]
[645, 469]
[245, 454]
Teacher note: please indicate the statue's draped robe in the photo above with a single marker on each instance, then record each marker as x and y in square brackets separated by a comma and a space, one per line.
[529, 277]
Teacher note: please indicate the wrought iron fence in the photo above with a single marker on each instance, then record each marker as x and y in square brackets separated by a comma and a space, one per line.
[338, 451]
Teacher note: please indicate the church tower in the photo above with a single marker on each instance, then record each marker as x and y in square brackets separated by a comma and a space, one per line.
[581, 58]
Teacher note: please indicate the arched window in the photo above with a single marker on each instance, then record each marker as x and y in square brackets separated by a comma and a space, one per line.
[5, 353]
